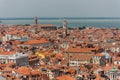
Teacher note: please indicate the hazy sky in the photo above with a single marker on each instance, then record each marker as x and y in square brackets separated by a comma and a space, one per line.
[60, 8]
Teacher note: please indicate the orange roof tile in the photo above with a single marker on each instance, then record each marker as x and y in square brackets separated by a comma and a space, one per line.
[72, 70]
[10, 64]
[2, 65]
[2, 49]
[65, 77]
[78, 49]
[6, 74]
[43, 40]
[116, 59]
[81, 57]
[12, 32]
[107, 67]
[59, 55]
[46, 25]
[23, 70]
[16, 42]
[7, 69]
[99, 54]
[35, 72]
[46, 53]
[98, 77]
[7, 53]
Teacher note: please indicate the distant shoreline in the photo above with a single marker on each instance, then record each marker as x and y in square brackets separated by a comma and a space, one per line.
[72, 21]
[50, 18]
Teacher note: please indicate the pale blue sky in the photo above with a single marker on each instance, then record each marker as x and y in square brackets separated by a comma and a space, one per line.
[60, 8]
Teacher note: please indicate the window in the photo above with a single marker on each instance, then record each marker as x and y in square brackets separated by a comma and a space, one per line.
[117, 62]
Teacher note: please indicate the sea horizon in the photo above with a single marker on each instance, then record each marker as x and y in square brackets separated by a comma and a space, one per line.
[74, 22]
[19, 18]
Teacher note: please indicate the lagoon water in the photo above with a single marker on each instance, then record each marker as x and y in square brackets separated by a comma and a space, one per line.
[78, 22]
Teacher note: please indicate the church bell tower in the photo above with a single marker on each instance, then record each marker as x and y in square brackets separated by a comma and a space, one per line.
[65, 27]
[37, 28]
[35, 20]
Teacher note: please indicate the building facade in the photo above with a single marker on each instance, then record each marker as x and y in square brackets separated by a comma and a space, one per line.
[20, 59]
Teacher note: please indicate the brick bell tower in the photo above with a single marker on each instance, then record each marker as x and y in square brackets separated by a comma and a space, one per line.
[35, 20]
[65, 27]
[37, 28]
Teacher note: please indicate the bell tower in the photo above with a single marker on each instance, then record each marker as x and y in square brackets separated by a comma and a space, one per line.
[35, 20]
[37, 28]
[65, 27]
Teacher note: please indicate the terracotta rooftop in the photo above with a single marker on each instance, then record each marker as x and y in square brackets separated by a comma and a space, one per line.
[99, 54]
[80, 57]
[16, 42]
[7, 53]
[35, 72]
[59, 55]
[23, 70]
[43, 40]
[116, 59]
[65, 77]
[46, 25]
[80, 50]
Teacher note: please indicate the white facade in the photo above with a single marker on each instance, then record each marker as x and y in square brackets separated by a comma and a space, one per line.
[114, 75]
[115, 49]
[65, 45]
[4, 39]
[74, 63]
[78, 63]
[11, 37]
[117, 62]
[96, 59]
[17, 58]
